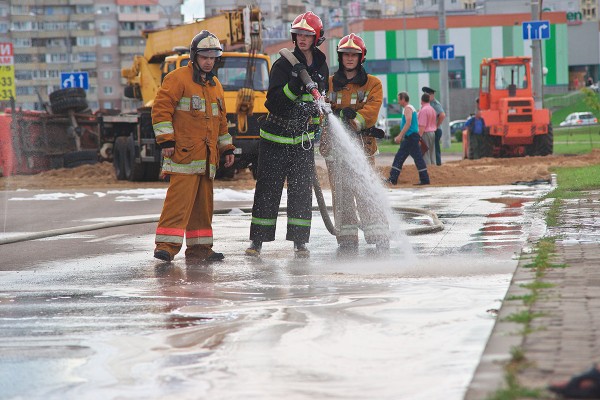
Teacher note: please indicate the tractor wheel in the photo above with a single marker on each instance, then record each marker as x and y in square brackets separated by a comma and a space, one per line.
[473, 152]
[486, 144]
[67, 99]
[544, 144]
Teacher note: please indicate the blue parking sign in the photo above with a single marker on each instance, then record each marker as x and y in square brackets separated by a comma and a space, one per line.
[74, 79]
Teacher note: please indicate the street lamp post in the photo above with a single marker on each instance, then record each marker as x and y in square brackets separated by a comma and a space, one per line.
[444, 87]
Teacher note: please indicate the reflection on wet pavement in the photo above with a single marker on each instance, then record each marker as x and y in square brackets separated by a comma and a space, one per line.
[410, 324]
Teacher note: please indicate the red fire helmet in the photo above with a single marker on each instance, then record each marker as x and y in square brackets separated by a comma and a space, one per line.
[308, 24]
[352, 43]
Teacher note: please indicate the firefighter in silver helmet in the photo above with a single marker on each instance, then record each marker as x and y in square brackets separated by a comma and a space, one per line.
[190, 125]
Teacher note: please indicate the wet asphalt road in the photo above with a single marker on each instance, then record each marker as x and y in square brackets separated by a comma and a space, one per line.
[93, 315]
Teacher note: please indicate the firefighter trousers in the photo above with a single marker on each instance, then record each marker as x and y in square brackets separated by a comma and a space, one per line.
[187, 211]
[278, 162]
[354, 207]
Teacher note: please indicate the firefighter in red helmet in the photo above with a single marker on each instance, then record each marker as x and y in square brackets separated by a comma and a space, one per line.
[356, 97]
[287, 135]
[190, 126]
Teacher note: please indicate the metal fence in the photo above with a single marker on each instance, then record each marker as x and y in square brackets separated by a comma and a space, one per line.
[563, 101]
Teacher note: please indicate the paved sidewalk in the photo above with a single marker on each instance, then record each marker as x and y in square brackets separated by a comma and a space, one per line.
[566, 336]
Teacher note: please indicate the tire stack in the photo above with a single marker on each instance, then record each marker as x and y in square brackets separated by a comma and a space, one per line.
[64, 101]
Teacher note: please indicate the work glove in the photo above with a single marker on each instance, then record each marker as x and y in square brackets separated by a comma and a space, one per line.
[348, 114]
[295, 83]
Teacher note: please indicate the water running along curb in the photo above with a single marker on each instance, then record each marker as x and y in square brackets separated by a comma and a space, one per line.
[436, 226]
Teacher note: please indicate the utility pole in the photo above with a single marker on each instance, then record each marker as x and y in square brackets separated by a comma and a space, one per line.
[444, 87]
[344, 18]
[406, 68]
[536, 60]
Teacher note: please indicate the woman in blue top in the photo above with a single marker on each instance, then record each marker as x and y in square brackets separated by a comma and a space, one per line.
[409, 143]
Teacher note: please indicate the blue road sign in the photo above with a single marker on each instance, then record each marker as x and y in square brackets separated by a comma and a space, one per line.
[74, 79]
[536, 30]
[443, 52]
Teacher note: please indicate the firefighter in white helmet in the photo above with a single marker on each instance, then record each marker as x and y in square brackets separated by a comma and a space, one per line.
[355, 97]
[190, 125]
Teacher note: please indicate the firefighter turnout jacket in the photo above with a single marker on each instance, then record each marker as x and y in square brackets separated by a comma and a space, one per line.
[364, 94]
[192, 118]
[286, 151]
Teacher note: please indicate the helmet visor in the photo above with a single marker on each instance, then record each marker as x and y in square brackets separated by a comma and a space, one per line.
[209, 52]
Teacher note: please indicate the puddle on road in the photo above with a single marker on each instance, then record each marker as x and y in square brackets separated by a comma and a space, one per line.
[410, 325]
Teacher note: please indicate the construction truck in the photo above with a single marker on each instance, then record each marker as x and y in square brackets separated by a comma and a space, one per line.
[63, 135]
[513, 125]
[128, 139]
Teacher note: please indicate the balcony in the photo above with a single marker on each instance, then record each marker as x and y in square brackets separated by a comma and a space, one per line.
[138, 17]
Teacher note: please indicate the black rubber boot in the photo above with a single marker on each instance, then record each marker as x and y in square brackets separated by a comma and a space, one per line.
[254, 249]
[163, 255]
[215, 257]
[300, 250]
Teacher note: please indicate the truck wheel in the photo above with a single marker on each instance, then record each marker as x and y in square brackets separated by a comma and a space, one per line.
[225, 173]
[77, 158]
[254, 169]
[63, 100]
[119, 157]
[135, 170]
[152, 172]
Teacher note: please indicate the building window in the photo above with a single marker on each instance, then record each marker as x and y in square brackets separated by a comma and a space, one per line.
[86, 41]
[107, 105]
[107, 90]
[107, 74]
[22, 42]
[87, 57]
[107, 58]
[105, 42]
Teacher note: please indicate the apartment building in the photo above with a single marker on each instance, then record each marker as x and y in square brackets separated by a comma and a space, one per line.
[98, 37]
[278, 14]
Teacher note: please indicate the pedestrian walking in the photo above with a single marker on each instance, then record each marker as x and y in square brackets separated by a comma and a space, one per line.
[427, 127]
[441, 116]
[287, 135]
[475, 127]
[190, 124]
[409, 143]
[356, 97]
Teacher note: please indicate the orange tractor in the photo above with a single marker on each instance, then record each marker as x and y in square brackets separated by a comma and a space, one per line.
[513, 126]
